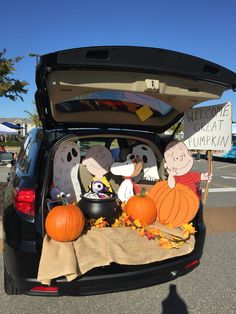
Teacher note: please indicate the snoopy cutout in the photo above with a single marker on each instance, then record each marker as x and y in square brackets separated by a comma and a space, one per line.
[150, 170]
[65, 170]
[128, 169]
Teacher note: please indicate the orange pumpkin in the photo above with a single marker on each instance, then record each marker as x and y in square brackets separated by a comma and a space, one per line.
[65, 223]
[176, 206]
[141, 207]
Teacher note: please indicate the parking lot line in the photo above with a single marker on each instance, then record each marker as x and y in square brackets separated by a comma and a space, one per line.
[230, 189]
[225, 166]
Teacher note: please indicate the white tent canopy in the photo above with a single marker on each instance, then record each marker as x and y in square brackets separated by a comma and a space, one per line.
[5, 130]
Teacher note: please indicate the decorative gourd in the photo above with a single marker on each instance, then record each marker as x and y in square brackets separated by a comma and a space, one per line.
[175, 206]
[141, 207]
[65, 223]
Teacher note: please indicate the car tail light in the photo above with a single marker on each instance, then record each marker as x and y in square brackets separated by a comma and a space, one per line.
[25, 201]
[192, 264]
[45, 289]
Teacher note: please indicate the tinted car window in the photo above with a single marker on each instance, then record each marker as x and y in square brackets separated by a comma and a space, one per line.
[84, 145]
[29, 150]
[23, 159]
[113, 101]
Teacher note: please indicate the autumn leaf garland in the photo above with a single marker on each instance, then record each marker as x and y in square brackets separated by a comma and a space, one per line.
[166, 240]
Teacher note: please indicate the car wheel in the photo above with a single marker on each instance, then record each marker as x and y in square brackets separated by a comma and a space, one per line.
[9, 287]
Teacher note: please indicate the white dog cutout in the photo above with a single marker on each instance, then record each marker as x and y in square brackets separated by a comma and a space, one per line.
[128, 169]
[146, 154]
[65, 170]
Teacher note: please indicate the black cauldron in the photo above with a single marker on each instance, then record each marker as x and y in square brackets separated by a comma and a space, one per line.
[108, 208]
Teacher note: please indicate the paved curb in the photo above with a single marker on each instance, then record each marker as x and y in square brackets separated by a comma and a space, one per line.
[219, 220]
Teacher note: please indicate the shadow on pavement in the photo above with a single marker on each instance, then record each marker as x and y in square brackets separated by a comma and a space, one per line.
[173, 303]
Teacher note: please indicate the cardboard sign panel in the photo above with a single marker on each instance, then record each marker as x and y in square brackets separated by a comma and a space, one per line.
[209, 128]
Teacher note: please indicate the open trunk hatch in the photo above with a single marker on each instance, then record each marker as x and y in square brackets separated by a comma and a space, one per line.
[124, 87]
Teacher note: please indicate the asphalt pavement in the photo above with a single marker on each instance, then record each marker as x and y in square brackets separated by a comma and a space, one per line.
[209, 289]
[222, 189]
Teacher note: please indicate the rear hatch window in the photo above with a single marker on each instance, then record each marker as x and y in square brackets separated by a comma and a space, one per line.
[114, 101]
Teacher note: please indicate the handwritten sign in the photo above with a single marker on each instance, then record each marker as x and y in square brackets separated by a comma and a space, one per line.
[209, 128]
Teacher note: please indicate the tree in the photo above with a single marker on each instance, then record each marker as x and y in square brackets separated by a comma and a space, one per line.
[35, 117]
[10, 87]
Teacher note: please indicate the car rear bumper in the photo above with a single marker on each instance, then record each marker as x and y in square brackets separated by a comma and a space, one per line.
[22, 268]
[108, 283]
[136, 279]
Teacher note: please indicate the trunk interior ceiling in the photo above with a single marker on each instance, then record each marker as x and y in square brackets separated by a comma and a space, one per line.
[177, 93]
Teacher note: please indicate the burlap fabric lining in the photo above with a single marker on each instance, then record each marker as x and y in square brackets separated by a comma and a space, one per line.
[102, 246]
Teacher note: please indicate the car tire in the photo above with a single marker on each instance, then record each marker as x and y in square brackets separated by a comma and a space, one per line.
[9, 286]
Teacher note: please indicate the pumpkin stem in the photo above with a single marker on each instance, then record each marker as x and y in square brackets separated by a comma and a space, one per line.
[142, 192]
[62, 198]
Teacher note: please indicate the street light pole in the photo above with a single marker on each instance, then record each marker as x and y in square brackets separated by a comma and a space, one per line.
[36, 55]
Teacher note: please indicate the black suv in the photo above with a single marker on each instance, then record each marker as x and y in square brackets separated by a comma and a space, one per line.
[93, 96]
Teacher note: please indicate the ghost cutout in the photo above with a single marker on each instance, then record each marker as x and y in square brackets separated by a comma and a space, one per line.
[128, 169]
[150, 170]
[65, 170]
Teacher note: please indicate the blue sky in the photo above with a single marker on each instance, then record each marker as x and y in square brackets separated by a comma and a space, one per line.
[202, 28]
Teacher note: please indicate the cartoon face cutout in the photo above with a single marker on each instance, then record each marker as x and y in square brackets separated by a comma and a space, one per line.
[146, 154]
[67, 154]
[178, 158]
[65, 169]
[129, 168]
[98, 160]
[138, 166]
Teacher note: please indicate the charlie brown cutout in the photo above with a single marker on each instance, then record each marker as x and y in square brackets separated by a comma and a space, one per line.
[98, 160]
[178, 163]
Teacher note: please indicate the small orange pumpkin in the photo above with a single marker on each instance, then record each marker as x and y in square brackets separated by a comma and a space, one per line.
[141, 207]
[65, 223]
[176, 206]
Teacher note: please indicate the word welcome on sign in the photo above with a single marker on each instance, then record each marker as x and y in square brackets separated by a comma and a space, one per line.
[209, 128]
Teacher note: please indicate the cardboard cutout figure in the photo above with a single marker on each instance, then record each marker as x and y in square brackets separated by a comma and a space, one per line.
[128, 169]
[179, 162]
[65, 172]
[148, 158]
[98, 161]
